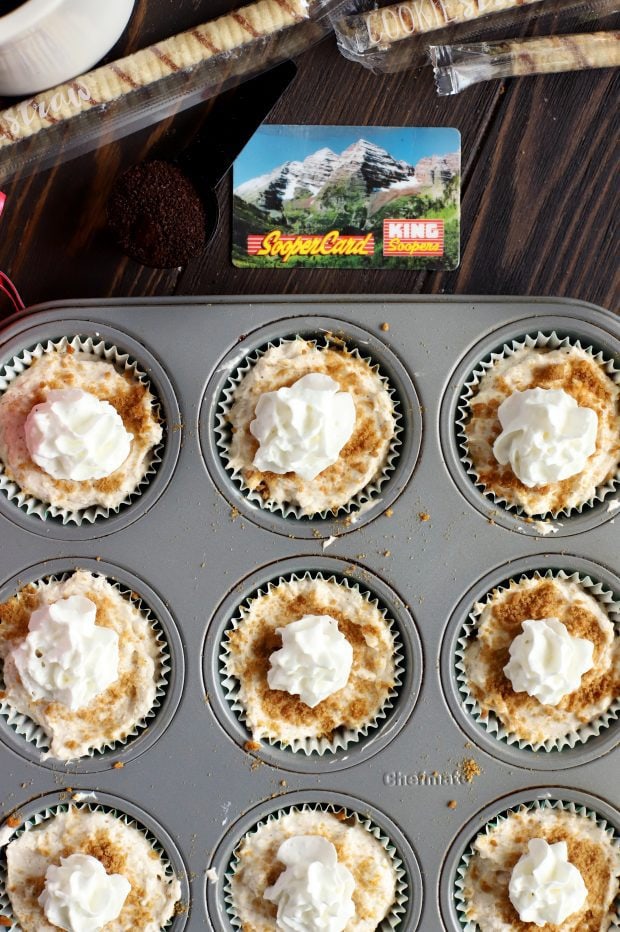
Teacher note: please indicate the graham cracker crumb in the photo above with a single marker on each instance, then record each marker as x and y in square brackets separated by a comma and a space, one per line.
[388, 512]
[452, 804]
[13, 821]
[385, 326]
[118, 765]
[251, 746]
[424, 516]
[470, 769]
[234, 513]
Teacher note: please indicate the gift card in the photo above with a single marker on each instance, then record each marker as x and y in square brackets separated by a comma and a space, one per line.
[348, 197]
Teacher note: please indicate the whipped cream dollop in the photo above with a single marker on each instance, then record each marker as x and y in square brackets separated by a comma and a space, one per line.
[544, 886]
[74, 435]
[66, 657]
[314, 661]
[79, 896]
[546, 436]
[547, 662]
[302, 429]
[315, 890]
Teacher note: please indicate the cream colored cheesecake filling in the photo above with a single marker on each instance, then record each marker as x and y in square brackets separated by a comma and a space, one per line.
[276, 714]
[56, 371]
[364, 455]
[590, 850]
[358, 850]
[580, 376]
[121, 848]
[114, 713]
[488, 652]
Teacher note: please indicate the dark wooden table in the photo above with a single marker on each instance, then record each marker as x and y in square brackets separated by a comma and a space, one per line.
[540, 186]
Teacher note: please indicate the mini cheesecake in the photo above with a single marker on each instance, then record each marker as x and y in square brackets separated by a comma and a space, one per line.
[121, 848]
[58, 370]
[358, 850]
[116, 712]
[499, 622]
[496, 851]
[362, 459]
[275, 714]
[579, 375]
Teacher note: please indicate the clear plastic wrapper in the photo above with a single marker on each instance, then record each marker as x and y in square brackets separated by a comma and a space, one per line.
[459, 66]
[396, 37]
[154, 83]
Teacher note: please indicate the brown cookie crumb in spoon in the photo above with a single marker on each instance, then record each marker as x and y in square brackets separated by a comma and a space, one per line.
[157, 215]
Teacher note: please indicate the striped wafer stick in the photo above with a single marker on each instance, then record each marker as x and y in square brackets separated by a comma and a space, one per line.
[380, 28]
[460, 66]
[552, 54]
[183, 52]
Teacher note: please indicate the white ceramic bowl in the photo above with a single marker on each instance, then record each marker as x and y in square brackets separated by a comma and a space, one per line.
[46, 42]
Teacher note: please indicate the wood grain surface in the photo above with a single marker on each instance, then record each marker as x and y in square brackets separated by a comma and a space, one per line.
[539, 195]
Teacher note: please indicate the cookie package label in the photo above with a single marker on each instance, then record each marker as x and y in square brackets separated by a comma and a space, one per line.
[348, 197]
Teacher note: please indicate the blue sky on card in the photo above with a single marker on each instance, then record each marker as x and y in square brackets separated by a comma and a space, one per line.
[273, 144]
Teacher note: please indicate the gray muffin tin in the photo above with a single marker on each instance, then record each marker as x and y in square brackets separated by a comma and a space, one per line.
[193, 547]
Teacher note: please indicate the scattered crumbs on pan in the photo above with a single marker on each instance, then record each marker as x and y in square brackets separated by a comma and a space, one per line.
[452, 804]
[316, 533]
[250, 746]
[385, 326]
[424, 516]
[389, 512]
[283, 783]
[13, 821]
[234, 513]
[118, 765]
[470, 769]
[180, 908]
[387, 553]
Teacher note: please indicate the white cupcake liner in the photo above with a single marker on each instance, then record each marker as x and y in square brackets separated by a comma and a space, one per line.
[491, 722]
[34, 734]
[469, 925]
[550, 341]
[362, 500]
[48, 813]
[122, 362]
[344, 737]
[392, 920]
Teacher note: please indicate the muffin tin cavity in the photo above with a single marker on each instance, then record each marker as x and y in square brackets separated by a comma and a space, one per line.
[552, 797]
[36, 811]
[127, 355]
[599, 582]
[553, 331]
[409, 891]
[348, 750]
[366, 504]
[27, 740]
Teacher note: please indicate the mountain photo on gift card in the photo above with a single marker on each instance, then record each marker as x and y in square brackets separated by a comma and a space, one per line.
[343, 197]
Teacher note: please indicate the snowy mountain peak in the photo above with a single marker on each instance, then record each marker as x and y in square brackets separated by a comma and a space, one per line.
[322, 176]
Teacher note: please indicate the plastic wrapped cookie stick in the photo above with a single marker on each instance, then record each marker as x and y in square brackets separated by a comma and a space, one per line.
[459, 66]
[121, 97]
[395, 37]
